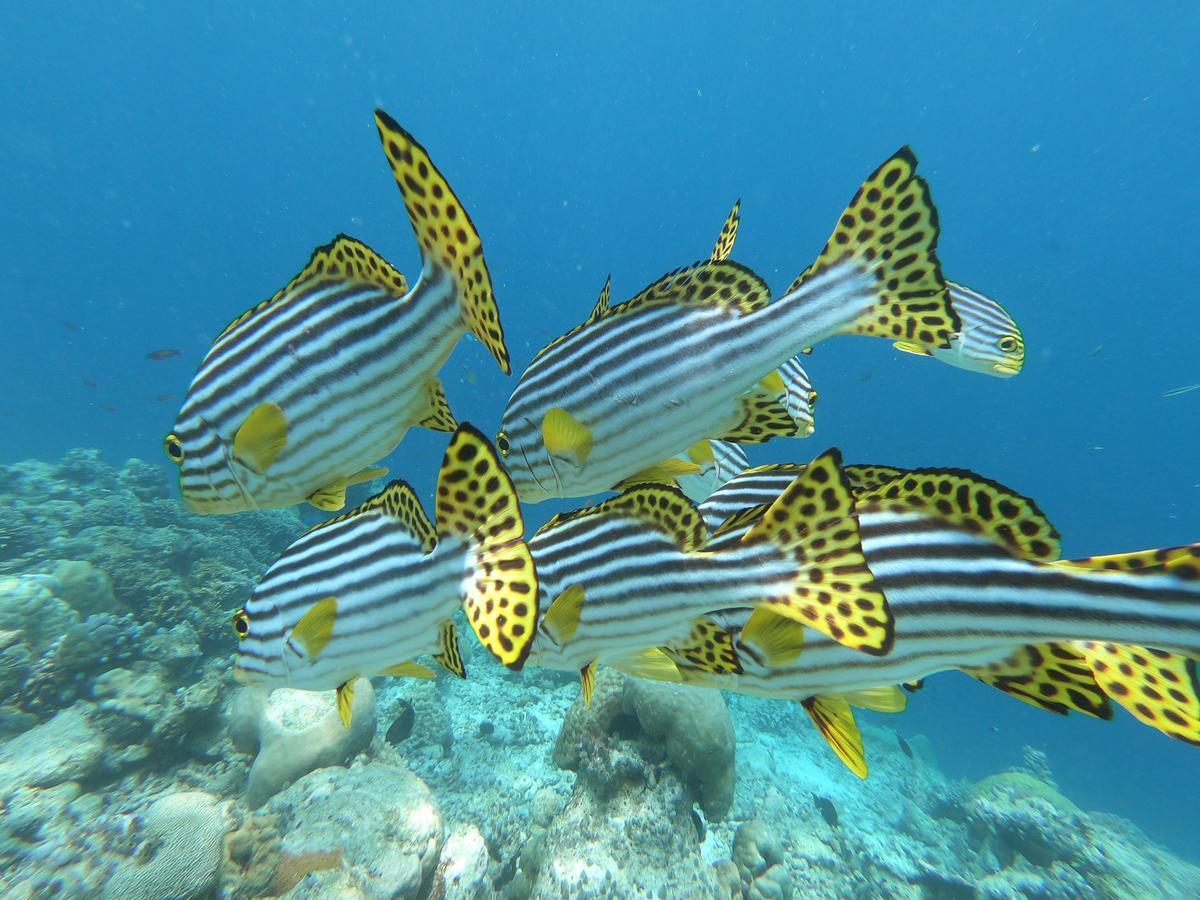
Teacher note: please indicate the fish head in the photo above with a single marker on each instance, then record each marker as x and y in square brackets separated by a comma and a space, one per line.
[211, 479]
[535, 474]
[990, 342]
[260, 660]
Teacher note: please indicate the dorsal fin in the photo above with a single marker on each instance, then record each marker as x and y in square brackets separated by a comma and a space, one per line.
[602, 302]
[725, 284]
[866, 478]
[971, 502]
[728, 235]
[399, 501]
[663, 507]
[343, 257]
[1053, 677]
[1183, 561]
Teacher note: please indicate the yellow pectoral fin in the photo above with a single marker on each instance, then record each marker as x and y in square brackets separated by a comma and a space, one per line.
[778, 639]
[345, 700]
[408, 669]
[914, 349]
[835, 720]
[565, 436]
[315, 628]
[562, 618]
[701, 452]
[261, 438]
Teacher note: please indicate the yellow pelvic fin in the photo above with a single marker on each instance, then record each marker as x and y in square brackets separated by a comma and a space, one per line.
[345, 702]
[885, 699]
[666, 509]
[1182, 561]
[332, 497]
[973, 503]
[344, 258]
[709, 648]
[1161, 689]
[408, 669]
[587, 682]
[728, 235]
[600, 310]
[866, 478]
[701, 453]
[562, 618]
[833, 591]
[565, 436]
[1053, 677]
[448, 653]
[775, 640]
[312, 633]
[437, 415]
[477, 506]
[653, 664]
[915, 349]
[397, 500]
[890, 230]
[835, 720]
[445, 233]
[664, 472]
[261, 438]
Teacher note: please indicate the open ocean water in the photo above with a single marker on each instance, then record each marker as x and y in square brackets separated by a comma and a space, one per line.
[167, 168]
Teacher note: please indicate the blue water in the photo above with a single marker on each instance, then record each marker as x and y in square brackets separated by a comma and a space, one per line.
[165, 170]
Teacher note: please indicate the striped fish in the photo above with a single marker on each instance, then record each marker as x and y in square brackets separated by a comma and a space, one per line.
[718, 462]
[625, 575]
[971, 573]
[365, 593]
[682, 361]
[301, 396]
[989, 343]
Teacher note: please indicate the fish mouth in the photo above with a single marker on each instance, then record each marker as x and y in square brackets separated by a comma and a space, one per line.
[1006, 369]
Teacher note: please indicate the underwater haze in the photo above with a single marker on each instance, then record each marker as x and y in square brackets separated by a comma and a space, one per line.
[168, 169]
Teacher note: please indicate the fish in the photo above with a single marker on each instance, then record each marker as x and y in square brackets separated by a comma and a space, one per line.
[624, 575]
[300, 397]
[1186, 389]
[90, 383]
[164, 353]
[719, 461]
[908, 751]
[989, 343]
[70, 325]
[486, 729]
[366, 592]
[161, 398]
[615, 399]
[973, 576]
[827, 810]
[402, 725]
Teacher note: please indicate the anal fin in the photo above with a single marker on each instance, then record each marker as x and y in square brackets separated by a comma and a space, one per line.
[1053, 677]
[436, 415]
[1159, 688]
[709, 648]
[408, 669]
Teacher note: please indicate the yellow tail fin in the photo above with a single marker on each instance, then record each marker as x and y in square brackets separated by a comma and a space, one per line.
[448, 239]
[477, 504]
[890, 229]
[834, 591]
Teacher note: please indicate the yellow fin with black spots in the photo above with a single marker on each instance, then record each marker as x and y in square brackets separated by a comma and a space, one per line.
[664, 472]
[437, 415]
[709, 648]
[662, 507]
[565, 436]
[890, 230]
[973, 503]
[408, 669]
[448, 239]
[587, 682]
[600, 310]
[866, 478]
[312, 633]
[835, 720]
[332, 497]
[885, 699]
[1182, 561]
[344, 258]
[261, 438]
[833, 591]
[652, 664]
[345, 702]
[728, 235]
[1160, 689]
[773, 640]
[1054, 677]
[906, 347]
[561, 620]
[399, 501]
[722, 284]
[477, 506]
[448, 653]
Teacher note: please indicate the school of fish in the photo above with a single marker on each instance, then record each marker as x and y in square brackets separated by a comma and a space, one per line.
[829, 584]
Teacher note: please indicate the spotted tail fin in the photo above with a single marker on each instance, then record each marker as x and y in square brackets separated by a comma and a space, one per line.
[890, 231]
[833, 591]
[447, 237]
[477, 505]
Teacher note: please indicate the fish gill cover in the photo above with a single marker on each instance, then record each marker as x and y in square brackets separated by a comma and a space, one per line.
[168, 171]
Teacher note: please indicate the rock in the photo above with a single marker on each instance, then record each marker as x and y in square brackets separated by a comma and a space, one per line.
[755, 849]
[186, 834]
[85, 588]
[295, 732]
[30, 604]
[378, 821]
[68, 747]
[462, 868]
[594, 718]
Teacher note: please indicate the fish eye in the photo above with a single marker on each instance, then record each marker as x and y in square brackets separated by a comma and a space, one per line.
[174, 448]
[241, 624]
[502, 444]
[1008, 344]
